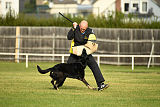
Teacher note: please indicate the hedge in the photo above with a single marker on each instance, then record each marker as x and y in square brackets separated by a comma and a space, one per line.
[119, 20]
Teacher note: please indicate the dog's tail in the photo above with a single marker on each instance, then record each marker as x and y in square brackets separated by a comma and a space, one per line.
[43, 71]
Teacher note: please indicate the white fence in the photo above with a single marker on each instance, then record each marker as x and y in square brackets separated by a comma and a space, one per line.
[98, 57]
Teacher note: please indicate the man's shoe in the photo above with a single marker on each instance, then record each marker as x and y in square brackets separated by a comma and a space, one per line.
[103, 86]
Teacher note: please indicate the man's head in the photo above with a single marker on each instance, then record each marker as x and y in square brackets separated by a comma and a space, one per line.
[83, 26]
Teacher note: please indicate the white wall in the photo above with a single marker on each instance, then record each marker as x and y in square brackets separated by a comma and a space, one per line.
[156, 9]
[5, 4]
[2, 7]
[103, 7]
[64, 8]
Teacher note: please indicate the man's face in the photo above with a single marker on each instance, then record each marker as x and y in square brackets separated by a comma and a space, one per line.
[83, 26]
[82, 29]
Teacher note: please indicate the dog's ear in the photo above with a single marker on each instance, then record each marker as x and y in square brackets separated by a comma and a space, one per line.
[84, 54]
[84, 51]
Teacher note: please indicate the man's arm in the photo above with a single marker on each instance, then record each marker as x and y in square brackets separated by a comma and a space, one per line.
[70, 35]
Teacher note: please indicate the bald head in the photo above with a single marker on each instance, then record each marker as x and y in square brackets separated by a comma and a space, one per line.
[83, 26]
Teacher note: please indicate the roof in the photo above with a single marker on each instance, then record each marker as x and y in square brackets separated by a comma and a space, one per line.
[64, 1]
[71, 1]
[157, 2]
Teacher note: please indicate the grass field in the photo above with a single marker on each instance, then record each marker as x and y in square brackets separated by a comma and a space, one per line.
[25, 87]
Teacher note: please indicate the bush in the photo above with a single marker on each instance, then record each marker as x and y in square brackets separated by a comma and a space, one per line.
[117, 20]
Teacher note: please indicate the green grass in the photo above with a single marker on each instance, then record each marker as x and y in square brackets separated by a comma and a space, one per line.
[20, 86]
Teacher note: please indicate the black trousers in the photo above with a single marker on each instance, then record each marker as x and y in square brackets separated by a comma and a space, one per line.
[92, 64]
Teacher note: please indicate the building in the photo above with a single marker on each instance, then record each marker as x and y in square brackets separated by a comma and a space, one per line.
[104, 7]
[72, 6]
[7, 5]
[42, 6]
[144, 8]
[64, 6]
[154, 7]
[16, 6]
[141, 7]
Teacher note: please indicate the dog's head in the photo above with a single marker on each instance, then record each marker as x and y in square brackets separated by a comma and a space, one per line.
[84, 58]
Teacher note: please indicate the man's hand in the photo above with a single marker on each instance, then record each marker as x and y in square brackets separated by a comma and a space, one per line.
[75, 25]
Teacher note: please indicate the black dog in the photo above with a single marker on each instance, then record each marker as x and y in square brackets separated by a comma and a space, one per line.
[60, 71]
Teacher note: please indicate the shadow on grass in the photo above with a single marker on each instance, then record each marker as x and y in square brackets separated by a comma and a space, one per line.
[68, 88]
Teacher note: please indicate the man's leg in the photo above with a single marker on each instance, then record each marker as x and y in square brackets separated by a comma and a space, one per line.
[95, 69]
[97, 73]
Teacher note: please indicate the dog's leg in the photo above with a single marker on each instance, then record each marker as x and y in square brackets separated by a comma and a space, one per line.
[87, 84]
[52, 82]
[54, 85]
[61, 83]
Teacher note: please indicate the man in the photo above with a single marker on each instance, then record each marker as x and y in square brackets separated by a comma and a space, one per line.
[79, 35]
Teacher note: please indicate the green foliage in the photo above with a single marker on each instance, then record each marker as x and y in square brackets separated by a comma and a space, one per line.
[117, 20]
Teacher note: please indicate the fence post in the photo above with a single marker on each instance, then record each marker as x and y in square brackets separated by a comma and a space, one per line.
[26, 60]
[98, 60]
[152, 51]
[17, 44]
[150, 58]
[118, 47]
[132, 63]
[62, 58]
[53, 45]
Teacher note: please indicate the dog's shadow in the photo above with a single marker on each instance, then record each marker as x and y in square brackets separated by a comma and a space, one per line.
[68, 88]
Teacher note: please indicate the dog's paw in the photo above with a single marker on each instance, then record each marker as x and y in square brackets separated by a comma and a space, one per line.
[56, 88]
[91, 88]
